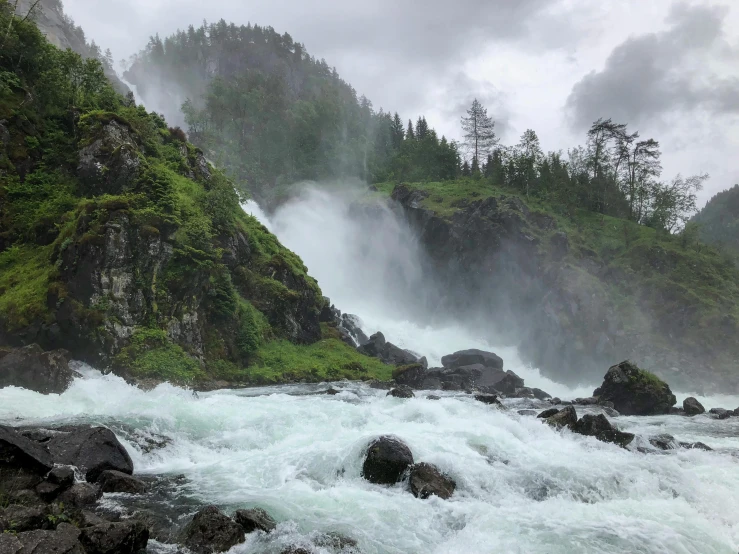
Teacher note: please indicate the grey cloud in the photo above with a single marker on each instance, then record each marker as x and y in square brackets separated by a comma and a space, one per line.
[650, 76]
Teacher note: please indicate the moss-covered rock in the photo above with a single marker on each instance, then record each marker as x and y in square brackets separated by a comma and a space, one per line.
[635, 391]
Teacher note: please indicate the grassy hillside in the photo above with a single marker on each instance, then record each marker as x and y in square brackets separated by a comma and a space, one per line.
[718, 221]
[119, 242]
[668, 291]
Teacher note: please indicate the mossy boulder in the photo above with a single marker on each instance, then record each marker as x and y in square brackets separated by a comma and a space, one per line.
[635, 391]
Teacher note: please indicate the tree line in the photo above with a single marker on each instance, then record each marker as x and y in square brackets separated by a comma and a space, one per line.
[616, 173]
[271, 114]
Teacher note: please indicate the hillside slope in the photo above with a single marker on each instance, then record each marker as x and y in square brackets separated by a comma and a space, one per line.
[719, 220]
[120, 243]
[578, 292]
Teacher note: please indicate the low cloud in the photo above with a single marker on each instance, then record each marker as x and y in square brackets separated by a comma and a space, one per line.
[689, 66]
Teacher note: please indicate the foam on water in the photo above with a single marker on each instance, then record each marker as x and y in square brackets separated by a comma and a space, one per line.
[522, 487]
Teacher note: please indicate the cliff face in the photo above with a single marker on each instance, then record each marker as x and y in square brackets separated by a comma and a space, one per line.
[570, 310]
[61, 31]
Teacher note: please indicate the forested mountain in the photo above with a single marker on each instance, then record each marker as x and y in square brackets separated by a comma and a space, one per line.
[718, 221]
[272, 115]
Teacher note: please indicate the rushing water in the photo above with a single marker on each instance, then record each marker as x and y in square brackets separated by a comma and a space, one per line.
[522, 487]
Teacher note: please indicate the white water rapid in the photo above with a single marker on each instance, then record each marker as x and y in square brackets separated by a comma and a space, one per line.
[522, 488]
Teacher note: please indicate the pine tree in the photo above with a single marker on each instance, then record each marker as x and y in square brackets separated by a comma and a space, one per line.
[466, 169]
[422, 128]
[475, 169]
[479, 130]
[409, 134]
[397, 133]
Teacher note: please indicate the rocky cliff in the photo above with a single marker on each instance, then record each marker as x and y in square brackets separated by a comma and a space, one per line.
[120, 243]
[527, 275]
[60, 30]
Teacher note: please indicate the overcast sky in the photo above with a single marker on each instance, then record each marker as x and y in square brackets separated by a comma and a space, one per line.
[668, 69]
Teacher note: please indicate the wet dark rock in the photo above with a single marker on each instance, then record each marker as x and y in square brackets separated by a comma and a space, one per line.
[386, 461]
[563, 418]
[433, 397]
[401, 391]
[332, 391]
[491, 399]
[509, 384]
[696, 446]
[664, 442]
[17, 451]
[677, 411]
[63, 540]
[116, 481]
[634, 391]
[81, 495]
[606, 404]
[610, 412]
[56, 482]
[125, 537]
[527, 412]
[540, 394]
[255, 519]
[387, 352]
[91, 449]
[426, 480]
[590, 401]
[556, 400]
[523, 392]
[381, 385]
[17, 518]
[693, 407]
[211, 531]
[548, 413]
[470, 357]
[350, 326]
[599, 427]
[721, 413]
[34, 369]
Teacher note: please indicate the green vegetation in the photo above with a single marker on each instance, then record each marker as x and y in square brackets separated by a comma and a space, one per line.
[328, 359]
[718, 221]
[117, 232]
[273, 115]
[659, 284]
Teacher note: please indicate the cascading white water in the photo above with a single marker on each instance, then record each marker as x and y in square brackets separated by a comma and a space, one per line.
[523, 487]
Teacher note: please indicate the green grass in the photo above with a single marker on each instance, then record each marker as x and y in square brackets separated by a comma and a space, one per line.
[151, 354]
[327, 360]
[25, 273]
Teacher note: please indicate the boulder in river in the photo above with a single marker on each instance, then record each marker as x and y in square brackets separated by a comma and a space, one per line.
[426, 480]
[635, 391]
[23, 462]
[599, 427]
[470, 357]
[387, 459]
[255, 519]
[401, 391]
[563, 418]
[34, 369]
[211, 531]
[509, 384]
[721, 413]
[91, 449]
[663, 442]
[125, 537]
[549, 412]
[491, 399]
[692, 407]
